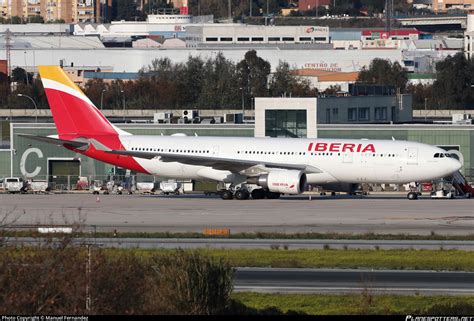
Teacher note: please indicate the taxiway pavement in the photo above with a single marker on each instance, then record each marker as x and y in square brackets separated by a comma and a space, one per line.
[192, 213]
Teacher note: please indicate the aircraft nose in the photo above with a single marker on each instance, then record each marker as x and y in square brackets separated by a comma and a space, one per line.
[455, 164]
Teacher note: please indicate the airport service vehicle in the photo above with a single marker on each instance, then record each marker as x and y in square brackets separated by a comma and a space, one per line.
[146, 187]
[170, 188]
[275, 165]
[444, 193]
[39, 186]
[13, 185]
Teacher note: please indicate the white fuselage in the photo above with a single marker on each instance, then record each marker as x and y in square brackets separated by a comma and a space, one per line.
[339, 160]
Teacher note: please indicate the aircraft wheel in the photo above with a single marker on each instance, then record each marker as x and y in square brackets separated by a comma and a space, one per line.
[258, 194]
[272, 195]
[242, 194]
[412, 196]
[468, 195]
[227, 195]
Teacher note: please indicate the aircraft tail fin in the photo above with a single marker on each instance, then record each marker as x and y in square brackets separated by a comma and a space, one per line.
[75, 115]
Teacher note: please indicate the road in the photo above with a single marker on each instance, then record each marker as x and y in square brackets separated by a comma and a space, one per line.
[219, 243]
[353, 281]
[193, 213]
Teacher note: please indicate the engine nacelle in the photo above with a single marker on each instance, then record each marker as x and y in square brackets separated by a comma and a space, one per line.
[284, 181]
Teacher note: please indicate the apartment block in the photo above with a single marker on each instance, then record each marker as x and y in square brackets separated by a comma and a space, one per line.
[446, 5]
[71, 11]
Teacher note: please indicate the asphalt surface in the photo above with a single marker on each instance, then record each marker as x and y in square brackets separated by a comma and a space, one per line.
[219, 243]
[193, 213]
[353, 281]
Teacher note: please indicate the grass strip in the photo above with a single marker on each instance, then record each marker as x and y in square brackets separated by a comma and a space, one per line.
[364, 303]
[439, 260]
[256, 235]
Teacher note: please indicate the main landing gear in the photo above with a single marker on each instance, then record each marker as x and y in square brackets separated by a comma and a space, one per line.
[244, 194]
[412, 196]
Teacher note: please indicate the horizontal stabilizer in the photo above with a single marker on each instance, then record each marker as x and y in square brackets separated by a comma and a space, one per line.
[55, 141]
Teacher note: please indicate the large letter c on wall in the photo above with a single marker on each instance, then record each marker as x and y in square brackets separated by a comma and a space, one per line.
[38, 152]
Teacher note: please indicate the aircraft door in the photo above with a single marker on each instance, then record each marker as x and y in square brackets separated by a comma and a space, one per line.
[412, 157]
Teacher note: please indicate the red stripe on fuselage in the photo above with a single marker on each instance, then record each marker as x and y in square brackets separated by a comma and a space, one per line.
[127, 162]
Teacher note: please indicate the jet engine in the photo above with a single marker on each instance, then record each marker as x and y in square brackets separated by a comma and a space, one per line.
[281, 181]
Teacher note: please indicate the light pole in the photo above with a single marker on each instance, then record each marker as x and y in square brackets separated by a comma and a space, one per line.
[243, 103]
[102, 98]
[26, 71]
[426, 100]
[123, 102]
[36, 107]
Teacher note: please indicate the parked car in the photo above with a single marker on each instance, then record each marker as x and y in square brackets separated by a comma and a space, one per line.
[14, 185]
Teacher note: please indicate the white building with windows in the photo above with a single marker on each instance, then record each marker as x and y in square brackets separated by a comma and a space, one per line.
[299, 117]
[223, 34]
[469, 37]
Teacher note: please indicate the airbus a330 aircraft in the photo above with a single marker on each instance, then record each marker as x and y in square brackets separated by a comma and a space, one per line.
[257, 167]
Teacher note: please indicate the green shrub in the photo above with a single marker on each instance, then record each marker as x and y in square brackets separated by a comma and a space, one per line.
[190, 283]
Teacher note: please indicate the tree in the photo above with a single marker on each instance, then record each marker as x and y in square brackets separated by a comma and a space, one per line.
[453, 86]
[19, 75]
[15, 20]
[419, 93]
[154, 5]
[384, 72]
[253, 72]
[94, 88]
[284, 82]
[126, 10]
[36, 19]
[191, 80]
[57, 21]
[221, 86]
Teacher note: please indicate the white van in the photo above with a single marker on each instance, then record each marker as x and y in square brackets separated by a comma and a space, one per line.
[13, 184]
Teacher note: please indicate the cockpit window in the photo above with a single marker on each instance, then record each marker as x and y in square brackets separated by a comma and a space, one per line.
[436, 155]
[447, 155]
[441, 155]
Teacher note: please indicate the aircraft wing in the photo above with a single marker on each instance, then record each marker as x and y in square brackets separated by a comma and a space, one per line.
[220, 163]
